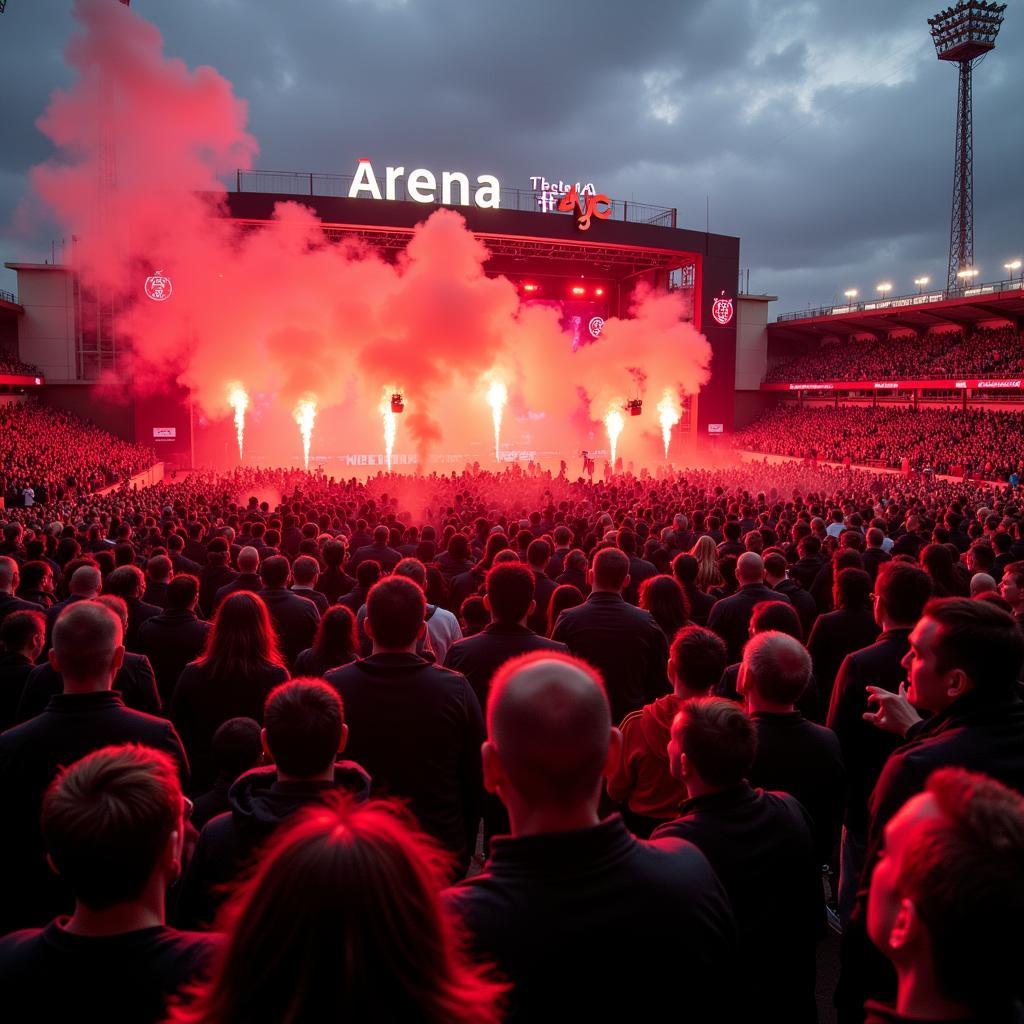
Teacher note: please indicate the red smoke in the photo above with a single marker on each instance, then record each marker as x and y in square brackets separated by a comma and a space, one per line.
[285, 313]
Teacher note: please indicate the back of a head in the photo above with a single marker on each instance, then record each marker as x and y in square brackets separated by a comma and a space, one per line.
[413, 569]
[749, 568]
[248, 560]
[336, 634]
[236, 745]
[776, 617]
[610, 567]
[538, 554]
[981, 639]
[395, 610]
[367, 573]
[963, 870]
[311, 933]
[305, 570]
[853, 589]
[510, 590]
[159, 568]
[85, 639]
[902, 590]
[775, 565]
[685, 568]
[182, 592]
[718, 739]
[242, 635]
[126, 582]
[549, 719]
[107, 820]
[304, 720]
[275, 571]
[982, 583]
[626, 541]
[334, 553]
[381, 534]
[698, 657]
[776, 667]
[19, 629]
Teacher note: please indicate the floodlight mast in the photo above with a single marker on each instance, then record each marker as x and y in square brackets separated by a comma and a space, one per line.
[963, 34]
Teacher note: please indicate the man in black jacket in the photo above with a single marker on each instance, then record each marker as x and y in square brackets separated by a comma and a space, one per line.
[334, 582]
[538, 554]
[730, 618]
[623, 643]
[247, 578]
[588, 922]
[114, 824]
[366, 576]
[23, 635]
[963, 667]
[87, 651]
[379, 551]
[84, 585]
[175, 637]
[639, 568]
[128, 583]
[303, 732]
[215, 574]
[901, 592]
[776, 578]
[416, 727]
[793, 754]
[761, 848]
[295, 618]
[8, 585]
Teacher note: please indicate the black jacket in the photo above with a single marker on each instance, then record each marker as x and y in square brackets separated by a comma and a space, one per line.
[624, 643]
[333, 583]
[596, 925]
[295, 620]
[479, 656]
[417, 729]
[51, 974]
[804, 760]
[14, 670]
[243, 581]
[134, 681]
[387, 556]
[71, 726]
[805, 605]
[544, 587]
[170, 641]
[835, 635]
[258, 803]
[138, 613]
[760, 846]
[9, 603]
[639, 570]
[700, 604]
[730, 618]
[319, 599]
[874, 559]
[865, 748]
[211, 579]
[806, 570]
[200, 704]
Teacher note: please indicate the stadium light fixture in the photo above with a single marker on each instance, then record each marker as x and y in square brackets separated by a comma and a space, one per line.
[967, 273]
[884, 288]
[1012, 266]
[921, 282]
[851, 293]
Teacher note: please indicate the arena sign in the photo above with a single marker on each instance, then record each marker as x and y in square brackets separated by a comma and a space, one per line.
[900, 385]
[421, 186]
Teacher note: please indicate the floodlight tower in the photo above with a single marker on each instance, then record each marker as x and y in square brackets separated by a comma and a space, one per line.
[964, 34]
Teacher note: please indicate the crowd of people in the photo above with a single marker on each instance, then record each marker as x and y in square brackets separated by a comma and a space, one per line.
[513, 746]
[977, 443]
[981, 352]
[48, 455]
[10, 363]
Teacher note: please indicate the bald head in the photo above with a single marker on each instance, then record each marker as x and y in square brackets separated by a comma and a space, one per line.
[750, 568]
[776, 668]
[86, 581]
[549, 723]
[8, 575]
[983, 583]
[87, 648]
[248, 559]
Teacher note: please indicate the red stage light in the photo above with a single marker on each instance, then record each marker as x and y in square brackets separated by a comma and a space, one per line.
[599, 291]
[578, 290]
[531, 287]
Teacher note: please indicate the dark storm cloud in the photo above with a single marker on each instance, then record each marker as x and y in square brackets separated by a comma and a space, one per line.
[822, 132]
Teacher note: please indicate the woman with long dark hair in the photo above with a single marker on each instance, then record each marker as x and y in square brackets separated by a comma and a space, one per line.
[565, 595]
[664, 599]
[335, 643]
[240, 665]
[341, 921]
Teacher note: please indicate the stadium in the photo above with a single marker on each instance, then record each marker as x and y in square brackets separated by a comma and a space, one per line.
[456, 595]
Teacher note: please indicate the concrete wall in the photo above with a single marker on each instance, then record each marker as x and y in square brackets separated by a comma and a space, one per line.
[751, 340]
[46, 333]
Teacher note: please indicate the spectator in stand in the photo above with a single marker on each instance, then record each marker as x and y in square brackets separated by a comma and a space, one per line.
[23, 635]
[875, 555]
[951, 930]
[849, 628]
[730, 618]
[625, 644]
[776, 576]
[217, 573]
[641, 780]
[442, 626]
[295, 618]
[686, 569]
[128, 583]
[396, 693]
[9, 579]
[335, 644]
[366, 576]
[1011, 589]
[113, 825]
[236, 748]
[793, 754]
[964, 667]
[949, 578]
[709, 574]
[304, 731]
[247, 579]
[575, 572]
[239, 666]
[564, 596]
[664, 599]
[565, 895]
[87, 652]
[473, 616]
[334, 582]
[379, 551]
[176, 636]
[158, 577]
[305, 574]
[538, 555]
[37, 583]
[304, 936]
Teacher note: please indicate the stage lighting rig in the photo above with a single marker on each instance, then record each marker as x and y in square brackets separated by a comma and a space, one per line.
[397, 402]
[634, 406]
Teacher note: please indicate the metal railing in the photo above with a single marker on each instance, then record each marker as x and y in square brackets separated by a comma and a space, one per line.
[300, 183]
[8, 297]
[905, 301]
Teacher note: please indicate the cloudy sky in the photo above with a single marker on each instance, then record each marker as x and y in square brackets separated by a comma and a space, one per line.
[820, 133]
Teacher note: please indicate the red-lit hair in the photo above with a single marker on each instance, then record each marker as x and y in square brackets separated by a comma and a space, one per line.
[242, 641]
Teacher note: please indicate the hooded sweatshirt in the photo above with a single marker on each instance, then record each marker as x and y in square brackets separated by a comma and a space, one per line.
[258, 804]
[642, 780]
